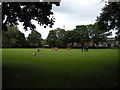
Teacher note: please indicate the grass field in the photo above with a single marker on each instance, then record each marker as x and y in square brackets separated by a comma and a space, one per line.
[97, 68]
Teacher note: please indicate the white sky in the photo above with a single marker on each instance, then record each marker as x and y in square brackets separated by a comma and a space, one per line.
[70, 13]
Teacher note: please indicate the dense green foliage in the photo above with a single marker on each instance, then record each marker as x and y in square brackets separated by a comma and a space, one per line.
[97, 68]
[13, 37]
[109, 19]
[96, 35]
[34, 39]
[82, 34]
[41, 12]
[12, 12]
[55, 38]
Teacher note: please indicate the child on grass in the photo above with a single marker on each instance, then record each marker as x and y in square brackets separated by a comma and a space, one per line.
[38, 49]
[41, 49]
[68, 48]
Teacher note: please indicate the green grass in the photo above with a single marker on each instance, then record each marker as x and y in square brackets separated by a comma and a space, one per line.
[97, 68]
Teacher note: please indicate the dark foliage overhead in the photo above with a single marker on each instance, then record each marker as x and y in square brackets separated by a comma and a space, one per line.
[12, 12]
[110, 17]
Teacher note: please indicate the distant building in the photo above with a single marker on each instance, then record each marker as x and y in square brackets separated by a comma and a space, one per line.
[110, 42]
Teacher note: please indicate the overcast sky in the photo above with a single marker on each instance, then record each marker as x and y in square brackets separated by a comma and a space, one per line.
[70, 13]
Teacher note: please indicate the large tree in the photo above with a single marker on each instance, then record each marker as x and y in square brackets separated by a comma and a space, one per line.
[60, 33]
[69, 38]
[51, 38]
[96, 35]
[34, 39]
[13, 37]
[12, 12]
[81, 35]
[56, 37]
[109, 19]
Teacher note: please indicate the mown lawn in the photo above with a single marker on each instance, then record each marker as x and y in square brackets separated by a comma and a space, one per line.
[97, 68]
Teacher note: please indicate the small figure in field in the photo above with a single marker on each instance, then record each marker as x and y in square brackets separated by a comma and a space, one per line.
[82, 48]
[68, 48]
[55, 48]
[52, 48]
[34, 54]
[38, 49]
[41, 49]
[87, 48]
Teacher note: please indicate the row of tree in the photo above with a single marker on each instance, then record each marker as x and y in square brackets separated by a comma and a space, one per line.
[24, 12]
[14, 38]
[82, 34]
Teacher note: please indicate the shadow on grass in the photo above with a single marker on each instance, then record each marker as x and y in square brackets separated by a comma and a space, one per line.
[22, 76]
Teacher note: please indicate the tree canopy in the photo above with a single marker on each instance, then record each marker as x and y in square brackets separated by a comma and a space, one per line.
[56, 37]
[79, 37]
[34, 39]
[96, 35]
[82, 34]
[109, 19]
[13, 37]
[12, 12]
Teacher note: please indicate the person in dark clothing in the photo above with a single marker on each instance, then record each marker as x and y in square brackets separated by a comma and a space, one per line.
[82, 49]
[87, 48]
[38, 49]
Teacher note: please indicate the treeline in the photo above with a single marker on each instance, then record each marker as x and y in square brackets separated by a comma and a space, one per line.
[79, 37]
[92, 35]
[14, 38]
